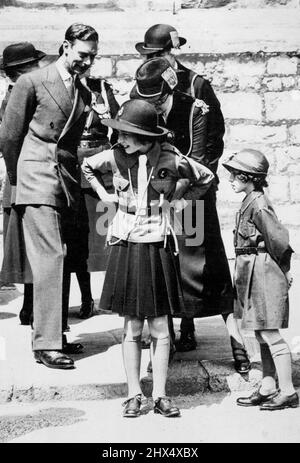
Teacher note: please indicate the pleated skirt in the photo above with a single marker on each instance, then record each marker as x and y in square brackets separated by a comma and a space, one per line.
[142, 280]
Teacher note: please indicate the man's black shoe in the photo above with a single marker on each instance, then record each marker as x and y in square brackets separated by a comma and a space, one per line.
[255, 399]
[53, 359]
[86, 309]
[280, 401]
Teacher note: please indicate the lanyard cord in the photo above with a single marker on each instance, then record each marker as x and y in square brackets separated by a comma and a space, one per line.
[168, 226]
[138, 207]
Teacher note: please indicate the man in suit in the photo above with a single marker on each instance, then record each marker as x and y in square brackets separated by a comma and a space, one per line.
[41, 129]
[18, 58]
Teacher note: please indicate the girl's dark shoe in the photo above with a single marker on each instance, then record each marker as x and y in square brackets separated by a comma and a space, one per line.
[255, 399]
[280, 401]
[241, 360]
[164, 406]
[132, 406]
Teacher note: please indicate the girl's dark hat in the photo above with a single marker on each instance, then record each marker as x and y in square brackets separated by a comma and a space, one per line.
[18, 54]
[154, 78]
[137, 116]
[248, 161]
[158, 38]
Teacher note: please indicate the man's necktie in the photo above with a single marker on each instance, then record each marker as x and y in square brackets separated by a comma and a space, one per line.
[142, 185]
[72, 87]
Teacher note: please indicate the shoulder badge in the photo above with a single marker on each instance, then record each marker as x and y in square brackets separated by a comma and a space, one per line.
[202, 105]
[169, 76]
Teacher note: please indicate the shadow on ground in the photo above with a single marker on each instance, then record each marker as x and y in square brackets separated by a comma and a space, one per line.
[9, 295]
[4, 315]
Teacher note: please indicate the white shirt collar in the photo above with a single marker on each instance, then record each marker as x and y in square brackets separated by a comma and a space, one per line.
[64, 74]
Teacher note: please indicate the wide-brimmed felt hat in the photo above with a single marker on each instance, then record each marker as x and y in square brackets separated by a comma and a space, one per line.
[248, 161]
[154, 78]
[159, 37]
[18, 54]
[136, 116]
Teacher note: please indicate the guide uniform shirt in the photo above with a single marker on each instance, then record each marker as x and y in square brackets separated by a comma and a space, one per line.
[165, 166]
[263, 257]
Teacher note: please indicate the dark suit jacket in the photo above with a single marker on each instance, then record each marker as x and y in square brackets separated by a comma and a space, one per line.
[212, 124]
[39, 136]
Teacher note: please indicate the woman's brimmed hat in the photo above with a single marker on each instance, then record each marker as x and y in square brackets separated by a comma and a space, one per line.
[137, 116]
[158, 38]
[248, 161]
[17, 54]
[154, 78]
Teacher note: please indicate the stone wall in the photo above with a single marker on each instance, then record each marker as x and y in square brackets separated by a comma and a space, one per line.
[260, 98]
[171, 5]
[259, 90]
[238, 3]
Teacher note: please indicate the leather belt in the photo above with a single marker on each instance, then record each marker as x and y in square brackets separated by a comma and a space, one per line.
[249, 250]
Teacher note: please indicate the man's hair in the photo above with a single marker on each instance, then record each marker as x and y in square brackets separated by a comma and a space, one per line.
[78, 31]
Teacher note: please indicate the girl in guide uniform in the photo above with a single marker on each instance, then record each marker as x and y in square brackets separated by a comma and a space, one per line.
[142, 278]
[262, 279]
[204, 267]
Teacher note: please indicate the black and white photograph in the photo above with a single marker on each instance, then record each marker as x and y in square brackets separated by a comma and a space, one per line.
[149, 225]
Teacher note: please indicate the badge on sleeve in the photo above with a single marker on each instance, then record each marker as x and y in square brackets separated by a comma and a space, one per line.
[169, 76]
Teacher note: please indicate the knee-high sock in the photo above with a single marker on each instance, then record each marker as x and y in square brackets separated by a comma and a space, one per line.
[282, 359]
[160, 349]
[268, 384]
[131, 347]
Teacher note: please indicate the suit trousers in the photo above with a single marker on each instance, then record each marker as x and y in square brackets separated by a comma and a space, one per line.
[45, 251]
